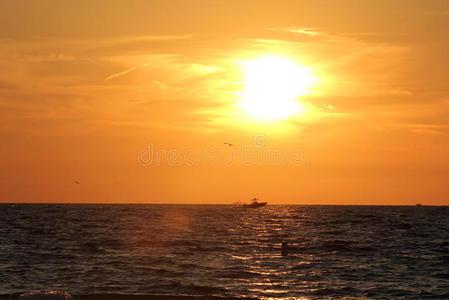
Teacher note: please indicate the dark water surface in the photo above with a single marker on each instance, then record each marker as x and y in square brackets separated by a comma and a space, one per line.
[335, 251]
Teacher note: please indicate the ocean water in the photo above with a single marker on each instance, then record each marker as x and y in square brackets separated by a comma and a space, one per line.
[380, 252]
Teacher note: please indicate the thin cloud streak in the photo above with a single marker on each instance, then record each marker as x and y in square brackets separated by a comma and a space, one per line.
[120, 73]
[299, 30]
[125, 72]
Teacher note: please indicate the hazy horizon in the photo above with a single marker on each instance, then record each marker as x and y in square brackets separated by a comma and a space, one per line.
[228, 204]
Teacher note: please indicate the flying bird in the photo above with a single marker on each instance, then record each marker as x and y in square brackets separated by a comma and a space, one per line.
[226, 143]
[77, 182]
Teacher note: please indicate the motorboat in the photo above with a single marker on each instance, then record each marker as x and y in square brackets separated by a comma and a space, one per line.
[255, 204]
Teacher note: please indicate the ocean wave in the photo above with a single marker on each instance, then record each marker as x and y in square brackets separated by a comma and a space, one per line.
[120, 253]
[110, 296]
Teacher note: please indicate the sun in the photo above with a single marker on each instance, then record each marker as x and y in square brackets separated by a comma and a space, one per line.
[272, 85]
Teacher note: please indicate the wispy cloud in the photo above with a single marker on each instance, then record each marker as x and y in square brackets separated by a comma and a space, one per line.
[300, 30]
[434, 129]
[120, 73]
[163, 85]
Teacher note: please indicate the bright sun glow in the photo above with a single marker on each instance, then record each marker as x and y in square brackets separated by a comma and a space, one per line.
[272, 86]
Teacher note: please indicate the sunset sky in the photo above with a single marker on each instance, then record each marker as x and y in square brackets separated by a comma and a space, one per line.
[358, 89]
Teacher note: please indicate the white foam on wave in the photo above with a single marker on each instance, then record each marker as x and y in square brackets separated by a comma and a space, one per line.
[50, 295]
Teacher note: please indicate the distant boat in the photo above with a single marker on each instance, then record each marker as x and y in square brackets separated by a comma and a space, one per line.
[255, 204]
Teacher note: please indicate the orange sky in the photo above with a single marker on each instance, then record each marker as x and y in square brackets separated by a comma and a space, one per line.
[86, 87]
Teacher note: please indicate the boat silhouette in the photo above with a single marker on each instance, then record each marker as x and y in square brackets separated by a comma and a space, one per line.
[255, 204]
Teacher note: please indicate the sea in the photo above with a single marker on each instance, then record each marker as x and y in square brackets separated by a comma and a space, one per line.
[106, 251]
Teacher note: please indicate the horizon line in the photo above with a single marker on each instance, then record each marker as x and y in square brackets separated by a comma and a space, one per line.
[174, 203]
